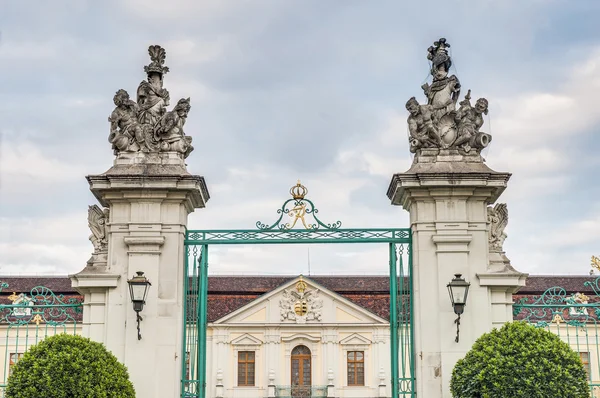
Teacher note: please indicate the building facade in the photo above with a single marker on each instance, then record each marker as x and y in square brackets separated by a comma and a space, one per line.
[272, 336]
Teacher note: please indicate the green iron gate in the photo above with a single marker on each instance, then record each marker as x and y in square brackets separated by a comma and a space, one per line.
[28, 318]
[298, 209]
[574, 317]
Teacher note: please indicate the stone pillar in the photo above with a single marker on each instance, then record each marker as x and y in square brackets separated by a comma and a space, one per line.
[447, 195]
[149, 197]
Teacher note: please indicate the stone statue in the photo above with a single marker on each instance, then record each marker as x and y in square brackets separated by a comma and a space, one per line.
[438, 125]
[126, 133]
[423, 133]
[97, 221]
[498, 219]
[152, 98]
[146, 126]
[469, 120]
[443, 92]
[170, 129]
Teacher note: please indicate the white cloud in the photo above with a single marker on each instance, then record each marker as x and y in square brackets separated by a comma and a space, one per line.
[24, 167]
[536, 118]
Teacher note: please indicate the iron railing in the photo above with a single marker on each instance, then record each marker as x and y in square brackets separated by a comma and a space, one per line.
[28, 318]
[574, 317]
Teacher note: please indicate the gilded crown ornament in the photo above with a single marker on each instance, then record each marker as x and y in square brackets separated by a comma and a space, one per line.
[298, 209]
[301, 286]
[298, 191]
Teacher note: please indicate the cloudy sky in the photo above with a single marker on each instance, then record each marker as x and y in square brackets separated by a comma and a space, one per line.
[315, 90]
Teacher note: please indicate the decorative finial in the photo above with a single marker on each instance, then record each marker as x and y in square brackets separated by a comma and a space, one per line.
[596, 262]
[298, 191]
[157, 58]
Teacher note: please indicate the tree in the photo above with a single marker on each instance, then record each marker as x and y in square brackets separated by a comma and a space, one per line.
[520, 361]
[66, 366]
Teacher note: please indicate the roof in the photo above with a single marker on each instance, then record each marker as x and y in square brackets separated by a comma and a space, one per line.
[226, 294]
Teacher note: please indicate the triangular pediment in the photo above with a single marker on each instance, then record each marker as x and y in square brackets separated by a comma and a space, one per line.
[246, 339]
[355, 339]
[301, 301]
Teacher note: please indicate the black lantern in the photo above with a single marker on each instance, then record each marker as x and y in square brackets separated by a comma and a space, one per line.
[138, 290]
[458, 289]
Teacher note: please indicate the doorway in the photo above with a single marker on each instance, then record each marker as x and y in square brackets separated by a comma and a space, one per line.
[301, 368]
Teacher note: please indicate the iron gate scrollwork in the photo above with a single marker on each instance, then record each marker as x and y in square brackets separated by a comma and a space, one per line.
[28, 318]
[574, 317]
[300, 211]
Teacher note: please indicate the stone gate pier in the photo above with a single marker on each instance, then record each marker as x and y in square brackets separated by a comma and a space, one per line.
[145, 199]
[448, 192]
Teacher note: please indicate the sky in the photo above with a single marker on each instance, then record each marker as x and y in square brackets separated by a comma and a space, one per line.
[311, 90]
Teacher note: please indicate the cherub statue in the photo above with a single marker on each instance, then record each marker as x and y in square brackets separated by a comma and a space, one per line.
[152, 98]
[169, 130]
[498, 219]
[423, 133]
[126, 133]
[97, 221]
[469, 120]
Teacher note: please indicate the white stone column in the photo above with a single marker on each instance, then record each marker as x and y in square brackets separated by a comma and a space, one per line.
[149, 199]
[447, 197]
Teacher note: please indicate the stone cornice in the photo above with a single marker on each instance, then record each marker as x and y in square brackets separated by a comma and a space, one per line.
[488, 185]
[109, 187]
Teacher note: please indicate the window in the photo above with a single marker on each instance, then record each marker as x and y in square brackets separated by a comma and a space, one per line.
[246, 368]
[585, 359]
[356, 368]
[14, 358]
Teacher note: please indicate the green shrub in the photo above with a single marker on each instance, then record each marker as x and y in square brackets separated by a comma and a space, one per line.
[519, 361]
[66, 366]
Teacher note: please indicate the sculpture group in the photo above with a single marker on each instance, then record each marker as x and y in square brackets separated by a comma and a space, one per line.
[146, 125]
[438, 124]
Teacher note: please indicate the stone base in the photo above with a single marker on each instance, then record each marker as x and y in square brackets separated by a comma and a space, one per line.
[128, 158]
[433, 155]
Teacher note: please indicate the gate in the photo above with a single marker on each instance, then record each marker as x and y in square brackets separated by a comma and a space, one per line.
[28, 318]
[299, 230]
[574, 317]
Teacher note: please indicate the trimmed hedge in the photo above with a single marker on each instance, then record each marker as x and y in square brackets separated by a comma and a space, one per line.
[520, 361]
[66, 366]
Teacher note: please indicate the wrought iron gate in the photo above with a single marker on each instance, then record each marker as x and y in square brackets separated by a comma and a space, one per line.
[298, 209]
[28, 318]
[574, 317]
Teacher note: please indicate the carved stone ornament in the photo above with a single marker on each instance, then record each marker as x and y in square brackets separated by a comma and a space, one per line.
[146, 126]
[97, 221]
[300, 305]
[498, 219]
[438, 124]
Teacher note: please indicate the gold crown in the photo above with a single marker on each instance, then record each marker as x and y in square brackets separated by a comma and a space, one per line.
[298, 191]
[301, 286]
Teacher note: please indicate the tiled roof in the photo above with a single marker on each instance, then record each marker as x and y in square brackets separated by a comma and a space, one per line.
[229, 293]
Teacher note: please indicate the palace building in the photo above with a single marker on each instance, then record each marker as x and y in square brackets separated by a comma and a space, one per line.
[322, 336]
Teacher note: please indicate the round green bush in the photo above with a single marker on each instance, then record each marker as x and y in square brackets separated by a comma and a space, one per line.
[520, 361]
[66, 366]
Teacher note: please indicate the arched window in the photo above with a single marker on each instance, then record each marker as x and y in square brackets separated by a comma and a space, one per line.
[301, 366]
